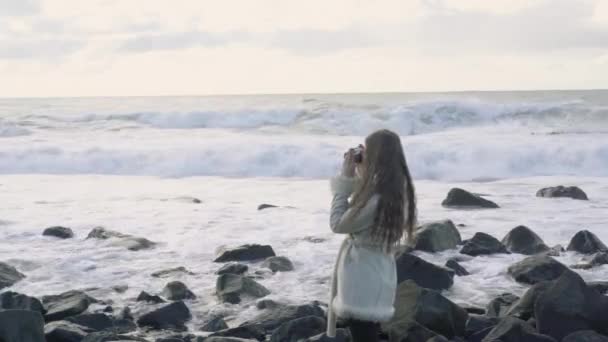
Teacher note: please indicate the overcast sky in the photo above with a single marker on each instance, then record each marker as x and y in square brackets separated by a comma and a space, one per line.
[180, 47]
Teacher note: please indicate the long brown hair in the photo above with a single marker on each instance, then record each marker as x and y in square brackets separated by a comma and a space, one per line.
[385, 172]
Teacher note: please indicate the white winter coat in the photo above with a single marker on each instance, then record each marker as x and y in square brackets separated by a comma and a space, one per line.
[364, 280]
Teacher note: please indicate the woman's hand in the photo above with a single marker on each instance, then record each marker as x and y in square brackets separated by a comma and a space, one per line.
[349, 165]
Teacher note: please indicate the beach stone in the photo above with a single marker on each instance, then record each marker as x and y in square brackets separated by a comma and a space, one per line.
[65, 305]
[271, 319]
[127, 241]
[172, 272]
[172, 316]
[460, 198]
[266, 206]
[176, 290]
[95, 322]
[9, 275]
[298, 329]
[229, 288]
[483, 244]
[59, 232]
[562, 191]
[511, 329]
[15, 301]
[457, 268]
[423, 273]
[244, 253]
[524, 307]
[428, 308]
[477, 323]
[214, 324]
[107, 336]
[523, 240]
[63, 331]
[146, 297]
[569, 305]
[499, 306]
[585, 336]
[342, 335]
[21, 326]
[537, 268]
[234, 268]
[437, 236]
[247, 332]
[585, 242]
[278, 264]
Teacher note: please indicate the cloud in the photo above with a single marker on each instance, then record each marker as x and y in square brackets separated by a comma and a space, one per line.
[315, 42]
[180, 40]
[45, 49]
[18, 7]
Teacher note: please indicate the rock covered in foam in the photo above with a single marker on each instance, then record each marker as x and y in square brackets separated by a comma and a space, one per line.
[563, 191]
[459, 198]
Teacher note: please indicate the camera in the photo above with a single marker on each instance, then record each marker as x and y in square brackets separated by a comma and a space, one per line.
[358, 154]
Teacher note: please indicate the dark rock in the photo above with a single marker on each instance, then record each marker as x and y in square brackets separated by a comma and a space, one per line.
[297, 329]
[428, 308]
[108, 309]
[172, 272]
[597, 259]
[65, 305]
[95, 322]
[226, 339]
[250, 332]
[599, 286]
[9, 275]
[477, 323]
[342, 335]
[480, 335]
[457, 268]
[474, 310]
[586, 242]
[229, 288]
[126, 314]
[21, 326]
[62, 331]
[244, 253]
[524, 307]
[234, 268]
[278, 264]
[127, 241]
[523, 240]
[273, 318]
[172, 316]
[537, 268]
[483, 244]
[425, 274]
[123, 326]
[120, 288]
[59, 232]
[585, 336]
[15, 301]
[107, 336]
[438, 338]
[499, 306]
[267, 304]
[176, 290]
[562, 191]
[146, 297]
[511, 329]
[409, 331]
[461, 198]
[437, 236]
[214, 324]
[266, 206]
[568, 305]
[555, 251]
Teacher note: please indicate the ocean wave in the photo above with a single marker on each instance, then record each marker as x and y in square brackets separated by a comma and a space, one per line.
[11, 130]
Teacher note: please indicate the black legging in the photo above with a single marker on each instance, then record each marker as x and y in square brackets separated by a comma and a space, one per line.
[363, 331]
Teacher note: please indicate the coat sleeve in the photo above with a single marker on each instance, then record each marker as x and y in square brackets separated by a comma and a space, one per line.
[344, 220]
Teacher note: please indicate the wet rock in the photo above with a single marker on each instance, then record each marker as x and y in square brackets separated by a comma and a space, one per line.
[600, 286]
[244, 253]
[409, 331]
[120, 288]
[555, 251]
[234, 268]
[460, 198]
[342, 335]
[511, 329]
[127, 241]
[62, 331]
[537, 268]
[214, 324]
[230, 288]
[172, 272]
[437, 236]
[172, 316]
[271, 319]
[125, 314]
[428, 308]
[523, 240]
[21, 326]
[474, 310]
[248, 332]
[524, 307]
[267, 304]
[226, 339]
[146, 297]
[585, 336]
[176, 290]
[9, 275]
[597, 259]
[569, 305]
[15, 301]
[425, 274]
[298, 329]
[477, 323]
[278, 264]
[65, 305]
[59, 232]
[107, 336]
[562, 191]
[457, 268]
[95, 322]
[586, 242]
[483, 244]
[499, 306]
[266, 206]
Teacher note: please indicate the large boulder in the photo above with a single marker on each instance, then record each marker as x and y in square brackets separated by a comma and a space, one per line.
[457, 268]
[524, 307]
[62, 331]
[59, 232]
[272, 318]
[423, 273]
[483, 244]
[409, 331]
[597, 259]
[569, 305]
[214, 324]
[585, 336]
[248, 332]
[511, 329]
[172, 316]
[278, 264]
[21, 326]
[233, 267]
[230, 287]
[427, 308]
[130, 242]
[477, 323]
[148, 298]
[15, 301]
[244, 253]
[95, 321]
[437, 237]
[9, 275]
[586, 242]
[460, 198]
[107, 336]
[65, 305]
[563, 191]
[523, 240]
[176, 290]
[298, 329]
[499, 306]
[537, 268]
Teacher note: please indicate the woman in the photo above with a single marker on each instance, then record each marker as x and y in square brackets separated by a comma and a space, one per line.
[382, 209]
